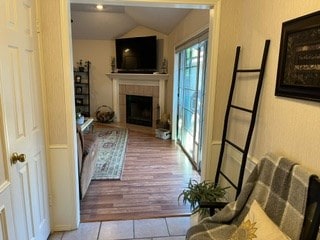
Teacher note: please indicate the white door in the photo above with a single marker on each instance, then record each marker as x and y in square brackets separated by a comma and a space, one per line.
[6, 217]
[23, 130]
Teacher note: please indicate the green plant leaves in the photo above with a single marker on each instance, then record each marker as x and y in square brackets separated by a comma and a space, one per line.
[197, 192]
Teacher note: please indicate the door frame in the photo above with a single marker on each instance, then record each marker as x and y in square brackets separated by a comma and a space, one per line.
[213, 42]
[175, 99]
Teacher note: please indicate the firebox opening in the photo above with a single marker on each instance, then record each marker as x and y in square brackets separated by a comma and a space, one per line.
[139, 110]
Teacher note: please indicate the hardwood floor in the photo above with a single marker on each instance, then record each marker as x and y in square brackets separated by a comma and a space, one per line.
[155, 172]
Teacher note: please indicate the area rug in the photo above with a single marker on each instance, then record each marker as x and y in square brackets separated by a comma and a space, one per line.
[112, 143]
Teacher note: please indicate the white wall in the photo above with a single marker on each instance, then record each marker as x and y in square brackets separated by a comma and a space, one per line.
[99, 53]
[191, 25]
[288, 127]
[162, 42]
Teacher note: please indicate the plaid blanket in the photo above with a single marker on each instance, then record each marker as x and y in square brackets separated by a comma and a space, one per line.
[278, 185]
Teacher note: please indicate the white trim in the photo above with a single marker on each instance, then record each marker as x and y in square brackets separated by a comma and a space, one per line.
[208, 166]
[216, 143]
[67, 59]
[5, 184]
[174, 96]
[203, 4]
[138, 76]
[212, 60]
[137, 79]
[58, 146]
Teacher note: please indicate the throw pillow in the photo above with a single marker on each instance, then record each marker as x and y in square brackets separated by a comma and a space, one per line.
[257, 225]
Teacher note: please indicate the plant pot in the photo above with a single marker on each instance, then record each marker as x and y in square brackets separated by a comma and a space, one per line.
[195, 218]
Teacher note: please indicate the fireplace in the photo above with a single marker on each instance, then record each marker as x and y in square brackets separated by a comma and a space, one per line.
[139, 110]
[150, 85]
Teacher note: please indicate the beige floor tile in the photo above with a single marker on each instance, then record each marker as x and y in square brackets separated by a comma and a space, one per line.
[55, 236]
[171, 238]
[150, 228]
[178, 225]
[112, 230]
[86, 231]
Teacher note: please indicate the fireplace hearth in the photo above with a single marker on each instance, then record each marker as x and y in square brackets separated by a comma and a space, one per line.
[139, 110]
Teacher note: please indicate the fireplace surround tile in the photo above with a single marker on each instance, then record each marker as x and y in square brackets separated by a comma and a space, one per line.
[122, 89]
[152, 85]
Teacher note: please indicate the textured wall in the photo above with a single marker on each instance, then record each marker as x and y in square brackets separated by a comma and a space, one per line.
[99, 53]
[194, 22]
[55, 84]
[284, 126]
[60, 113]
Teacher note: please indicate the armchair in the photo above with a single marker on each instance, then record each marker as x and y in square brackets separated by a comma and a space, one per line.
[278, 190]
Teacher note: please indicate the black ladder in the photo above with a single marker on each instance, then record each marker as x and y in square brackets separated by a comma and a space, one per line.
[253, 113]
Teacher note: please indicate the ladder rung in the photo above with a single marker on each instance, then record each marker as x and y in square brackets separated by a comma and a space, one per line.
[249, 70]
[234, 145]
[259, 74]
[229, 180]
[241, 108]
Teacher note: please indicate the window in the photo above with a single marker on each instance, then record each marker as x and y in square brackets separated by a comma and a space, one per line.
[190, 96]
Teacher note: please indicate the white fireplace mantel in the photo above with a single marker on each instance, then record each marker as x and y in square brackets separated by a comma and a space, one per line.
[137, 79]
[138, 76]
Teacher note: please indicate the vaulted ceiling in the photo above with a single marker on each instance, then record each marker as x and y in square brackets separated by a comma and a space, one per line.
[114, 21]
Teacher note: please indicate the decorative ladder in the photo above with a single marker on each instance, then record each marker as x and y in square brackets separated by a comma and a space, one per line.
[253, 113]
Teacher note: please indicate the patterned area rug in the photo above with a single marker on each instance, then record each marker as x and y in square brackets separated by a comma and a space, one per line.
[112, 143]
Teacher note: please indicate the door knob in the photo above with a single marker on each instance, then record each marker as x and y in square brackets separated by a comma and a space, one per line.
[17, 157]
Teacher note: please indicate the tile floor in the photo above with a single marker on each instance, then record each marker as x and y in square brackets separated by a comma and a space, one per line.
[173, 228]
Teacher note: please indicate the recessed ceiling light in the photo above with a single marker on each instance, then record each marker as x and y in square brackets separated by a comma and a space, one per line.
[99, 6]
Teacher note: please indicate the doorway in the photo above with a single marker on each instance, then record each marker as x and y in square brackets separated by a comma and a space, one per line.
[192, 58]
[103, 72]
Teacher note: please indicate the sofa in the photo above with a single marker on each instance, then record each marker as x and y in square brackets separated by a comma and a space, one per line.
[87, 149]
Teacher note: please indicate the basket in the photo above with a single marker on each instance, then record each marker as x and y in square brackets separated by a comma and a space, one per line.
[104, 114]
[163, 133]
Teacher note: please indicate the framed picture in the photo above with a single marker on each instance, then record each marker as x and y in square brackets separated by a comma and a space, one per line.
[78, 90]
[298, 73]
[79, 101]
[78, 78]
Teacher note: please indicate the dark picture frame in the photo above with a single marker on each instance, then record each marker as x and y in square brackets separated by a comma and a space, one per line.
[78, 79]
[298, 73]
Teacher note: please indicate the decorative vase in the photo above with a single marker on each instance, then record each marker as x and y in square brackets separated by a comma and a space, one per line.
[113, 64]
[80, 120]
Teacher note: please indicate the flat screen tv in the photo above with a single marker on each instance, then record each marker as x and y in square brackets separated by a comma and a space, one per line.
[136, 55]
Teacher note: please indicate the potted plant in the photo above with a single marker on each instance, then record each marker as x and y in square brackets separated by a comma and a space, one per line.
[197, 192]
